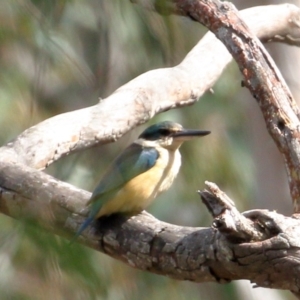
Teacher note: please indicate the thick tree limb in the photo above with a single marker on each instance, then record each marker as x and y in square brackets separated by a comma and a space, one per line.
[260, 246]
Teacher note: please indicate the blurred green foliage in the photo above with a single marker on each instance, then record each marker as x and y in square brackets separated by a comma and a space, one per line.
[61, 55]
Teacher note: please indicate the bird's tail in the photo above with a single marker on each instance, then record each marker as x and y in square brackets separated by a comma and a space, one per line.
[83, 226]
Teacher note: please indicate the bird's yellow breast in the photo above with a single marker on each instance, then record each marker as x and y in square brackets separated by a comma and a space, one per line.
[140, 191]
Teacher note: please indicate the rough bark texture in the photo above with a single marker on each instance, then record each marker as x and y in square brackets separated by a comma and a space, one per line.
[261, 246]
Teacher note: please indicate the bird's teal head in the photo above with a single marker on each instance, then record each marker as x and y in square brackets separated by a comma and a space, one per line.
[170, 134]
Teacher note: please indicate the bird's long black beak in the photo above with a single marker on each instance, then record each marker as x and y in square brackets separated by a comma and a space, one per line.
[187, 134]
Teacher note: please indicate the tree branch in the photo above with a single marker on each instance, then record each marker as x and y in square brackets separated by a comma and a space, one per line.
[264, 81]
[260, 73]
[139, 100]
[261, 246]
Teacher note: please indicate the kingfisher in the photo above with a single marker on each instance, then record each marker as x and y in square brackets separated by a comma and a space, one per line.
[141, 172]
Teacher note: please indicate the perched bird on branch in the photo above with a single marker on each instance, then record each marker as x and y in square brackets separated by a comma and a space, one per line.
[141, 172]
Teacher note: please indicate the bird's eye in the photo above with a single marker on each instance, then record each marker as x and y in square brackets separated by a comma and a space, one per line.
[164, 132]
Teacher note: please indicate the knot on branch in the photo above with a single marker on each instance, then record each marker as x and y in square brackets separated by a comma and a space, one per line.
[237, 227]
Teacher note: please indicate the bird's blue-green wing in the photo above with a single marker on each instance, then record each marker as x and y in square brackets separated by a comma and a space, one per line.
[133, 161]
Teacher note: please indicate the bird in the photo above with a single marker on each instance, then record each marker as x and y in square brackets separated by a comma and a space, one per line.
[140, 173]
